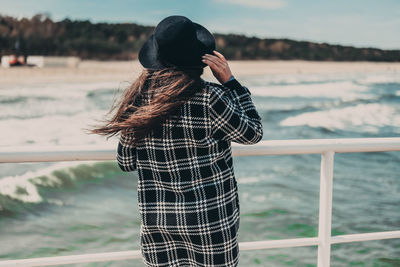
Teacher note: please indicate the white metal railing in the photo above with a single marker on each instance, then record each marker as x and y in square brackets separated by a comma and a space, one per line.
[326, 147]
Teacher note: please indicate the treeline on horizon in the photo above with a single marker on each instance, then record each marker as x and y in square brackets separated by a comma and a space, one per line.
[40, 35]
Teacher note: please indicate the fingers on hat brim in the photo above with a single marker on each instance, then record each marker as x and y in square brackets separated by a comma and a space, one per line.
[148, 54]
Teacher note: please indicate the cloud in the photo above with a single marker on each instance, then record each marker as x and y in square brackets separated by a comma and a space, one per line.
[265, 4]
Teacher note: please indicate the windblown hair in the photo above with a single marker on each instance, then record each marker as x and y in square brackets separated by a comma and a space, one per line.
[168, 89]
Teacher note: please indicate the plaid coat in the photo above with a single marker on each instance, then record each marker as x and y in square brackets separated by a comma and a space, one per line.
[187, 192]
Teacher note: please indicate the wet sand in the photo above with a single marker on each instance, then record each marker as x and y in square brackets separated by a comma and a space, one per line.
[127, 71]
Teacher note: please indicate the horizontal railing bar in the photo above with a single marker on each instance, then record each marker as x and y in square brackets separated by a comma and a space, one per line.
[136, 254]
[15, 154]
[243, 246]
[283, 243]
[94, 257]
[318, 146]
[56, 153]
[338, 239]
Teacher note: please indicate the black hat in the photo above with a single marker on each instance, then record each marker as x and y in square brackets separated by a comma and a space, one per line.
[176, 42]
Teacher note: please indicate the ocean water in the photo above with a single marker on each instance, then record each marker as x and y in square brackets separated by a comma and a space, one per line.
[68, 208]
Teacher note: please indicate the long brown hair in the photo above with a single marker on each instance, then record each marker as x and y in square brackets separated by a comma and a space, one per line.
[168, 89]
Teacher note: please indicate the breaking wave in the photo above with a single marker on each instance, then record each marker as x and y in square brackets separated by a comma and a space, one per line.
[24, 192]
[345, 90]
[359, 118]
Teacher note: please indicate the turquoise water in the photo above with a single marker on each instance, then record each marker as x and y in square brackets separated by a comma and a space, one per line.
[50, 209]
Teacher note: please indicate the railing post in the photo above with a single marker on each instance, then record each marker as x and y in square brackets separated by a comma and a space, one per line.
[325, 209]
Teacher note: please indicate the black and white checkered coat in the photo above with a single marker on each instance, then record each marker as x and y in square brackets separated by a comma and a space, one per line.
[187, 191]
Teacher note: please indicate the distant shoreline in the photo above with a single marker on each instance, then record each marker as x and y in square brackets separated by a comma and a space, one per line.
[124, 72]
[40, 35]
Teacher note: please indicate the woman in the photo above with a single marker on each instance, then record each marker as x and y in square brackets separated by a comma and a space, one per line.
[176, 131]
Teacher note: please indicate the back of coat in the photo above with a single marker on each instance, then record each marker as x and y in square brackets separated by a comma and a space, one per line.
[187, 192]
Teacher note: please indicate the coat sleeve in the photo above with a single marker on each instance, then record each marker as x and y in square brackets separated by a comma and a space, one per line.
[126, 155]
[234, 116]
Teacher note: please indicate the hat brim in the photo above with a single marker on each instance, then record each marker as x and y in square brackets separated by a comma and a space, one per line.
[148, 54]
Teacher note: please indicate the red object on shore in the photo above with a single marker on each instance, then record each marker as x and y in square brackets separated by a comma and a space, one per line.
[15, 62]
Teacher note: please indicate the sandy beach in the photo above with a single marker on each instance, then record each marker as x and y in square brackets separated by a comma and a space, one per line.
[127, 71]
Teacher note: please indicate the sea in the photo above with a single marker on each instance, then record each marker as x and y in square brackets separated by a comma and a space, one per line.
[71, 208]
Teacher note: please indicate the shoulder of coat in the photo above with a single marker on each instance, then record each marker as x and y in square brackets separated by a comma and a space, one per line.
[214, 88]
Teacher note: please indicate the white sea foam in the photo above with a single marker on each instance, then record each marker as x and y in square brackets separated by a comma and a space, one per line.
[248, 180]
[345, 90]
[59, 89]
[23, 188]
[299, 78]
[51, 99]
[374, 78]
[363, 78]
[360, 118]
[52, 129]
[346, 86]
[54, 113]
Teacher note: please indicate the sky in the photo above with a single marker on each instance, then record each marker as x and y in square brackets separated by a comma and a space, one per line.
[360, 23]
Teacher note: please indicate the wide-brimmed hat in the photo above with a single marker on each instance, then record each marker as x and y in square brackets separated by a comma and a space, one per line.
[176, 42]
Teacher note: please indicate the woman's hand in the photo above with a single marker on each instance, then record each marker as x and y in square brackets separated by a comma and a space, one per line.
[218, 65]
